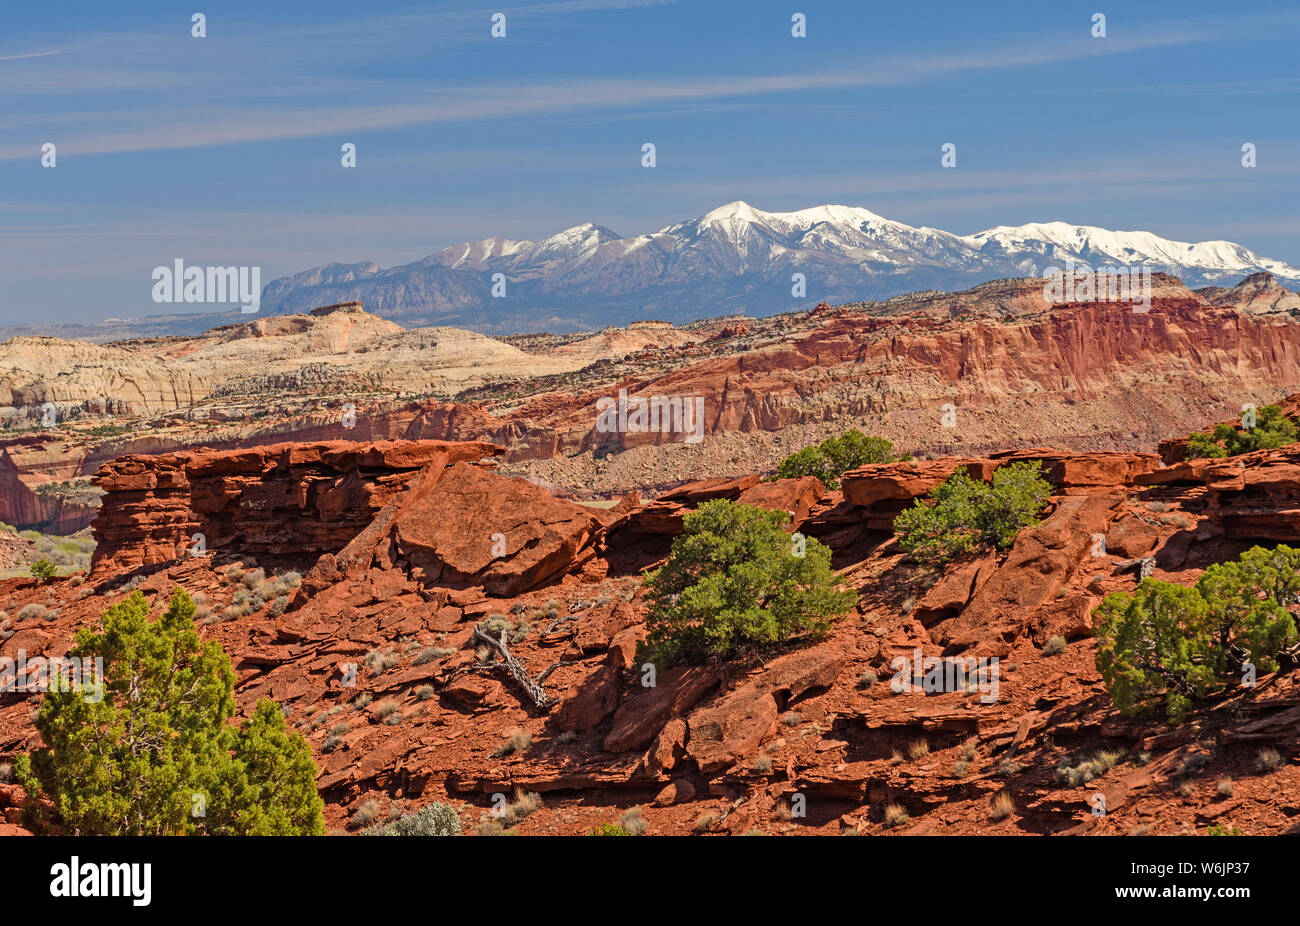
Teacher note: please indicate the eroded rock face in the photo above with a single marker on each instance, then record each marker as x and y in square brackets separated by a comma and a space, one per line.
[282, 500]
[475, 528]
[1086, 377]
[1093, 369]
[731, 728]
[19, 505]
[1254, 496]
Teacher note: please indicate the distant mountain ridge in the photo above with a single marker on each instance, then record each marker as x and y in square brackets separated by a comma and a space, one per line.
[733, 259]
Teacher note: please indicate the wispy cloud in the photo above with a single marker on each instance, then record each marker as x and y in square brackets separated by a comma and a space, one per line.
[303, 106]
[32, 54]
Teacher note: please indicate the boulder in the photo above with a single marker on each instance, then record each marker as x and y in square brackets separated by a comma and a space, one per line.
[663, 754]
[797, 496]
[590, 702]
[1130, 537]
[904, 481]
[476, 528]
[678, 791]
[640, 718]
[953, 590]
[474, 691]
[695, 492]
[732, 728]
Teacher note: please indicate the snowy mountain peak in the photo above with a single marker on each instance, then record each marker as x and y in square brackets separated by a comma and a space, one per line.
[1088, 243]
[586, 234]
[742, 212]
[734, 210]
[738, 258]
[836, 215]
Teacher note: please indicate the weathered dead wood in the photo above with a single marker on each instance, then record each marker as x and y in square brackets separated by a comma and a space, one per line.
[532, 688]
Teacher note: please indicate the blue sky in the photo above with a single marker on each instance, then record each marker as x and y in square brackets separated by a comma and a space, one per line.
[225, 150]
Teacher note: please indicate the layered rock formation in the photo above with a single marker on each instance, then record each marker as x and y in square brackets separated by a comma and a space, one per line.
[1254, 496]
[279, 501]
[1258, 294]
[883, 490]
[1085, 377]
[332, 349]
[76, 377]
[22, 507]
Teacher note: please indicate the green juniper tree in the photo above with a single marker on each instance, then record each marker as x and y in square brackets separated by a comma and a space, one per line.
[1272, 429]
[835, 456]
[43, 570]
[737, 580]
[1173, 645]
[153, 752]
[1156, 646]
[961, 513]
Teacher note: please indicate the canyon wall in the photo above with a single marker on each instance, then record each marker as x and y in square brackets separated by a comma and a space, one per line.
[1086, 377]
[23, 508]
[282, 501]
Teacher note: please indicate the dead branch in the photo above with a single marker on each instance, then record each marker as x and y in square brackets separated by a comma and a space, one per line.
[563, 662]
[533, 689]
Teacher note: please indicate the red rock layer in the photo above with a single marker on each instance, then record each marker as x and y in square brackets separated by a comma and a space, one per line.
[1254, 496]
[1085, 377]
[22, 507]
[281, 500]
[1063, 374]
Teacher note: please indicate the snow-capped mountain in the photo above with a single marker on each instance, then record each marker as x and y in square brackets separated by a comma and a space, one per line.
[734, 259]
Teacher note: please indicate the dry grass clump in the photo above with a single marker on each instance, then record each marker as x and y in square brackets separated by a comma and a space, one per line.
[896, 815]
[1268, 760]
[366, 814]
[1001, 807]
[517, 741]
[519, 808]
[1086, 771]
[632, 821]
